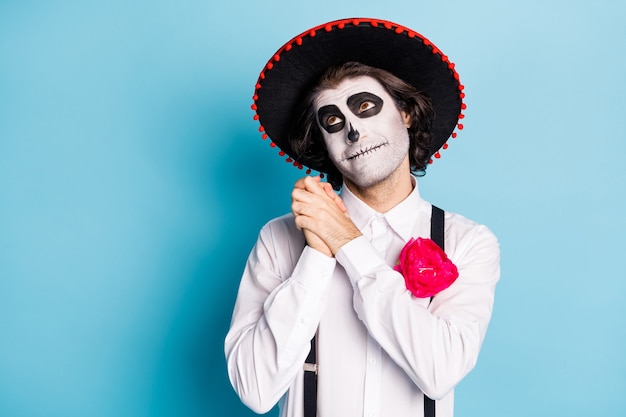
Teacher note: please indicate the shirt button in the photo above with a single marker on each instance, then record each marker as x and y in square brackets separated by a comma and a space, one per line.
[373, 361]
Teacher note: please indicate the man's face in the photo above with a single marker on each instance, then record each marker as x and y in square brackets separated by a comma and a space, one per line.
[365, 133]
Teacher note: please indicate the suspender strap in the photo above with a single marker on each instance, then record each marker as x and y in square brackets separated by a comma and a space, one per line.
[429, 407]
[437, 227]
[310, 382]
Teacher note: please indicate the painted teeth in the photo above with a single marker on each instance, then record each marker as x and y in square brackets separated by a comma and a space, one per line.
[365, 152]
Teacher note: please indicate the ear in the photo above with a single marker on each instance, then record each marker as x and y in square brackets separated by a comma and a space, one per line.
[406, 118]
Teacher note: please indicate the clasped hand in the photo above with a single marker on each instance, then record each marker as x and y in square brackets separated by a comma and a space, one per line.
[320, 213]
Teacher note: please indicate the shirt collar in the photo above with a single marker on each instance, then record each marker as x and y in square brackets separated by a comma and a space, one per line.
[400, 218]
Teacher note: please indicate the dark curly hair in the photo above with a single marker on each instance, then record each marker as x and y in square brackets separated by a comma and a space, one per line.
[305, 137]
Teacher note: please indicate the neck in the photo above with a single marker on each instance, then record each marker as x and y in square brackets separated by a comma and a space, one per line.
[388, 193]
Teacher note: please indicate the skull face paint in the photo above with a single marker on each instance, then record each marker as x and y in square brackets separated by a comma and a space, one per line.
[365, 133]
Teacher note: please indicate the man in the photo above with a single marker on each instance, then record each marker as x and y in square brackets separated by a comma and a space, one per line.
[366, 102]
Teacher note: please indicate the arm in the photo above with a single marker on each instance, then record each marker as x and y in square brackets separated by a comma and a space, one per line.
[279, 304]
[436, 344]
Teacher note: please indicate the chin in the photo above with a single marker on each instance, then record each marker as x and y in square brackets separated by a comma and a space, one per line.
[373, 173]
[369, 179]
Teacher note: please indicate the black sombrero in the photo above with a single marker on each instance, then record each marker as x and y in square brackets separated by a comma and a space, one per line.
[297, 65]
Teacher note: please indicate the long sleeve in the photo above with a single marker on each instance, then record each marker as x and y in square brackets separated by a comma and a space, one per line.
[436, 344]
[279, 304]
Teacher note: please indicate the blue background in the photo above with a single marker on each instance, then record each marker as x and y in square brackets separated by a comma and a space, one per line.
[133, 183]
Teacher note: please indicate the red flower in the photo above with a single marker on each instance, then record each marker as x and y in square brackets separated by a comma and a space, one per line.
[425, 267]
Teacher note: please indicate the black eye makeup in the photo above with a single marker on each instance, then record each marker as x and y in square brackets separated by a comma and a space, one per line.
[331, 118]
[365, 104]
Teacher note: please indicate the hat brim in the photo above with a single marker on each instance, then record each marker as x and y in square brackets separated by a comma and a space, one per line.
[298, 64]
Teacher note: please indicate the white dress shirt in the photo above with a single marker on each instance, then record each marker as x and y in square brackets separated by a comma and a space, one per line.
[379, 348]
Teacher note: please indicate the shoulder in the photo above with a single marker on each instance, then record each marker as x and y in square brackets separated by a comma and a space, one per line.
[464, 236]
[282, 240]
[282, 235]
[459, 224]
[282, 227]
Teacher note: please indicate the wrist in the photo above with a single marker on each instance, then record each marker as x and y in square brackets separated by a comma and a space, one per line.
[343, 241]
[323, 251]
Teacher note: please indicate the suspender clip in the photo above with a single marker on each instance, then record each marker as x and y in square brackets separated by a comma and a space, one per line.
[310, 367]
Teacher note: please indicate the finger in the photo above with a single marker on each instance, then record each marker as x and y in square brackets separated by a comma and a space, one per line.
[340, 204]
[307, 203]
[303, 196]
[317, 203]
[332, 194]
[300, 222]
[300, 182]
[299, 208]
[329, 189]
[314, 185]
[304, 220]
[329, 199]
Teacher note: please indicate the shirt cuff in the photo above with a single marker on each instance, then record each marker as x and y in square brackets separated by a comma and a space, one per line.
[314, 269]
[359, 258]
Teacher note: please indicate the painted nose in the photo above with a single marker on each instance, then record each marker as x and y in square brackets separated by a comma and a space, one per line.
[353, 134]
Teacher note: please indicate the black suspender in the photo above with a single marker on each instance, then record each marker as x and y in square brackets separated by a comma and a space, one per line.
[437, 227]
[310, 381]
[310, 366]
